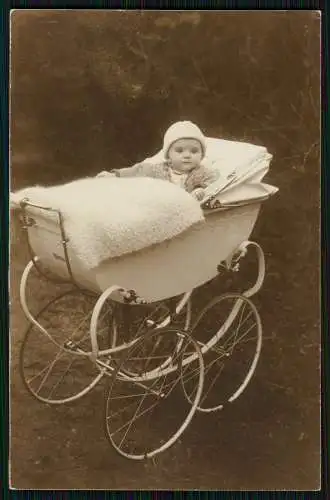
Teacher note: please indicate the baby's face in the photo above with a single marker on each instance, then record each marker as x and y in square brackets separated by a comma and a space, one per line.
[185, 154]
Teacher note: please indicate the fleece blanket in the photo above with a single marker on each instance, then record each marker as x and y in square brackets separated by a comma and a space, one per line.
[107, 217]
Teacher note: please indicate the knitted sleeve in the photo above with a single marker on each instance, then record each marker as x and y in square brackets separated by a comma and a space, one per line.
[138, 170]
[210, 175]
[201, 178]
[144, 169]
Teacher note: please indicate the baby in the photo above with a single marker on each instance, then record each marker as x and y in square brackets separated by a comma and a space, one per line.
[183, 149]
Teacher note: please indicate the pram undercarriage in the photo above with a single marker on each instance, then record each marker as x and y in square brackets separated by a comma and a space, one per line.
[152, 353]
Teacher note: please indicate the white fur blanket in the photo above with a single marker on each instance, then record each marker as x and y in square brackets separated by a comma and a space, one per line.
[108, 217]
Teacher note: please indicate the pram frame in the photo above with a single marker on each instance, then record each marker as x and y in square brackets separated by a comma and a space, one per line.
[101, 358]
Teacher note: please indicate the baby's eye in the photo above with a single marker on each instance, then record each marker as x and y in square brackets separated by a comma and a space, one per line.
[194, 150]
[178, 150]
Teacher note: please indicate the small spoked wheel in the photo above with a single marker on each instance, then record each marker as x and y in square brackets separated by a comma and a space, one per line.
[147, 412]
[229, 333]
[55, 359]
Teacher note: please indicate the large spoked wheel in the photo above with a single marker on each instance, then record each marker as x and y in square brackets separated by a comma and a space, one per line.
[147, 413]
[229, 333]
[55, 359]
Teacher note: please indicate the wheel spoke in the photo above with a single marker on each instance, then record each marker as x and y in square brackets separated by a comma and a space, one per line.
[131, 421]
[51, 366]
[61, 378]
[206, 393]
[244, 334]
[123, 409]
[238, 326]
[136, 416]
[207, 369]
[39, 374]
[234, 333]
[128, 396]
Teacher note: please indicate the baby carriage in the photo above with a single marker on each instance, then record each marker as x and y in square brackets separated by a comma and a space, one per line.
[129, 319]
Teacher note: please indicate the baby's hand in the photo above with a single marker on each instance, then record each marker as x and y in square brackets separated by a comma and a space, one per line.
[104, 173]
[198, 194]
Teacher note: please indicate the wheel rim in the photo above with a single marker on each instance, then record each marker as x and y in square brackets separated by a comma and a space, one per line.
[56, 368]
[145, 416]
[231, 361]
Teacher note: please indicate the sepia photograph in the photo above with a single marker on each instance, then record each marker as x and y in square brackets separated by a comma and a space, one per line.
[165, 250]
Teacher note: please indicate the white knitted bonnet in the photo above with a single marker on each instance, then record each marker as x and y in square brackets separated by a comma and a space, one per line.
[182, 130]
